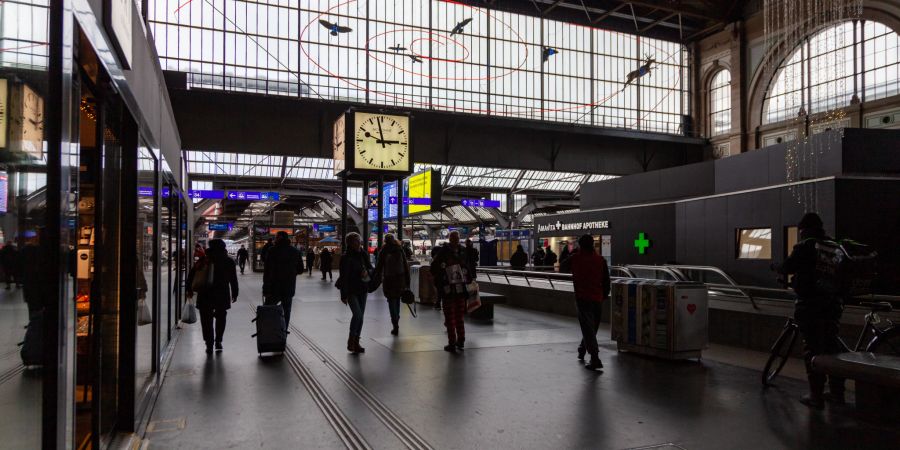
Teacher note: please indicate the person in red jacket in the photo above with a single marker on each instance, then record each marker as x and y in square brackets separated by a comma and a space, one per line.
[591, 277]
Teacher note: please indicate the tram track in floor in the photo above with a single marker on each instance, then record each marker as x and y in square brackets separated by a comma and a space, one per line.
[346, 432]
[394, 423]
[11, 373]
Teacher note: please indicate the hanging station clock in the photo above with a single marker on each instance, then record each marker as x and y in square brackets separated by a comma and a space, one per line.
[372, 143]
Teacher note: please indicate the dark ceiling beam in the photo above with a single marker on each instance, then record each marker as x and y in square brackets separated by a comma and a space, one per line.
[657, 22]
[551, 7]
[662, 7]
[635, 16]
[608, 13]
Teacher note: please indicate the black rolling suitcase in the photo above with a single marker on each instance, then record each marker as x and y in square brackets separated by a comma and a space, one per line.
[271, 332]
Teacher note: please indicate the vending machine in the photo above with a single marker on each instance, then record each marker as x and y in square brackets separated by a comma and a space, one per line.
[668, 319]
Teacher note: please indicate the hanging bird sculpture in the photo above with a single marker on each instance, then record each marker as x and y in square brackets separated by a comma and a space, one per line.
[335, 28]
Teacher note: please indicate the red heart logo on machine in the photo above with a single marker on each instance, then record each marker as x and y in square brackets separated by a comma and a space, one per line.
[691, 308]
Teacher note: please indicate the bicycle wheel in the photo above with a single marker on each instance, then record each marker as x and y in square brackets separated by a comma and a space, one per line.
[888, 343]
[781, 351]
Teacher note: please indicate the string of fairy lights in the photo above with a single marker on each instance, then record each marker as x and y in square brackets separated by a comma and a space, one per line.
[788, 22]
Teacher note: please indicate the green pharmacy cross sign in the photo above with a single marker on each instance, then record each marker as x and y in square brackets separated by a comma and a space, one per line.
[641, 243]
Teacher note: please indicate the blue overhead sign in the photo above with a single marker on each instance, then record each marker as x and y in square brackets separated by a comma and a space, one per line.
[324, 228]
[474, 202]
[199, 194]
[253, 195]
[220, 226]
[514, 234]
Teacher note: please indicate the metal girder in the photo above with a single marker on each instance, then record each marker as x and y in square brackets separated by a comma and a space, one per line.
[657, 22]
[530, 207]
[551, 7]
[609, 13]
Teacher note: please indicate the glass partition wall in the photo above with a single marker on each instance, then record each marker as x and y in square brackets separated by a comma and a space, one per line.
[81, 249]
[25, 248]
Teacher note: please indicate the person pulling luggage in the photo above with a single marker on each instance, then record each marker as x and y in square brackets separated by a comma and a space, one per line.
[280, 274]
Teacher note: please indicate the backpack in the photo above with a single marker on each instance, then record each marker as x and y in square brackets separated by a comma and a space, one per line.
[203, 277]
[393, 264]
[845, 268]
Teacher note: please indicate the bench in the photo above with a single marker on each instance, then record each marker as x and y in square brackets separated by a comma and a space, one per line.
[486, 310]
[877, 379]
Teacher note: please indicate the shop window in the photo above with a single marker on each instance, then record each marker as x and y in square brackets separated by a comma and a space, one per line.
[754, 243]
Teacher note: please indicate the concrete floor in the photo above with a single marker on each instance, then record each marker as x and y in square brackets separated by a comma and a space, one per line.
[20, 389]
[517, 385]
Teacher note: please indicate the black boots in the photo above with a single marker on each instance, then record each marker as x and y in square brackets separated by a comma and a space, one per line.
[581, 352]
[354, 347]
[595, 364]
[396, 330]
[209, 348]
[218, 347]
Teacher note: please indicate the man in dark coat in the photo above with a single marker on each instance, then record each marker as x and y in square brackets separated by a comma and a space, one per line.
[9, 259]
[537, 258]
[214, 301]
[280, 274]
[264, 251]
[310, 260]
[325, 263]
[243, 256]
[549, 258]
[519, 259]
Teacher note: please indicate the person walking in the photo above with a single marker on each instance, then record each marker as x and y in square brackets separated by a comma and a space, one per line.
[310, 260]
[325, 263]
[816, 311]
[407, 250]
[519, 259]
[435, 251]
[590, 274]
[472, 254]
[264, 251]
[280, 274]
[242, 256]
[450, 269]
[392, 270]
[9, 259]
[564, 255]
[354, 276]
[214, 301]
[550, 258]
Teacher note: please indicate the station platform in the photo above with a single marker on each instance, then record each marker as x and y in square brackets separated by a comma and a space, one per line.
[517, 385]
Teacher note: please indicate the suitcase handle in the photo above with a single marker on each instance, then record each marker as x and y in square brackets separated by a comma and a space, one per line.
[253, 335]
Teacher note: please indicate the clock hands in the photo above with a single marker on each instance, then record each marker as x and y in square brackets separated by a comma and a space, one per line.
[381, 141]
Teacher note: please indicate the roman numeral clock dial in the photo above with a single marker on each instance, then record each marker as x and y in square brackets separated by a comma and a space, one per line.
[381, 142]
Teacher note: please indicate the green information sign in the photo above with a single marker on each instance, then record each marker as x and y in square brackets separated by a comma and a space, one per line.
[641, 243]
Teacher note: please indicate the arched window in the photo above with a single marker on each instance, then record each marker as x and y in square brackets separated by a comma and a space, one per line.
[822, 73]
[720, 103]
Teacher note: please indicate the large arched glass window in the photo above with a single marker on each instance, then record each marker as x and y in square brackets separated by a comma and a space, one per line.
[822, 73]
[720, 103]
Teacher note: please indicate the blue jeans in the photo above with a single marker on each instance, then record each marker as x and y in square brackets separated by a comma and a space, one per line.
[357, 303]
[394, 307]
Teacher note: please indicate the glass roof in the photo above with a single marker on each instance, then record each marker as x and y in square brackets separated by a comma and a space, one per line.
[204, 163]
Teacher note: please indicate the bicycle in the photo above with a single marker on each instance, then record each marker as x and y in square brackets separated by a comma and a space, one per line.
[885, 339]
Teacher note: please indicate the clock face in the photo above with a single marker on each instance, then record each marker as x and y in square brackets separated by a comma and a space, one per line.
[339, 147]
[381, 142]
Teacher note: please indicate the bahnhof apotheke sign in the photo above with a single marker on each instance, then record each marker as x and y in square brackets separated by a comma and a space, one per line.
[573, 226]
